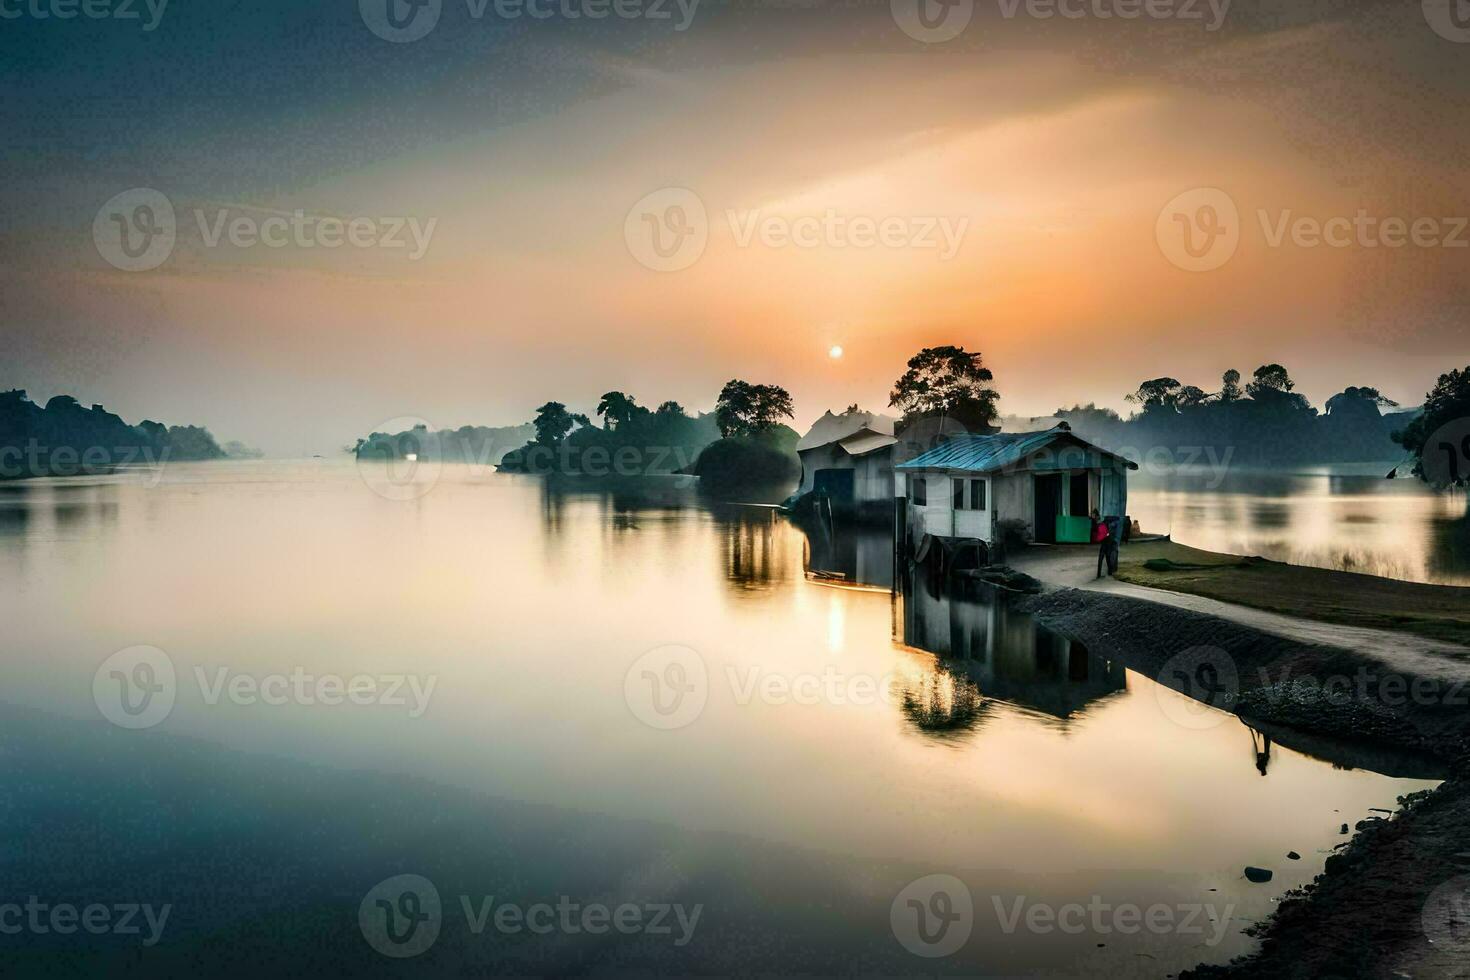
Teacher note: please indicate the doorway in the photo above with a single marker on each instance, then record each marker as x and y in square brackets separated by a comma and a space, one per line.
[1048, 494]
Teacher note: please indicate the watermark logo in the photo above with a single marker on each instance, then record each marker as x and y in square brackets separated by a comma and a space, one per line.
[1450, 19]
[1199, 230]
[1210, 682]
[933, 916]
[667, 231]
[1446, 457]
[136, 687]
[401, 916]
[932, 21]
[667, 687]
[400, 21]
[1446, 914]
[405, 464]
[135, 231]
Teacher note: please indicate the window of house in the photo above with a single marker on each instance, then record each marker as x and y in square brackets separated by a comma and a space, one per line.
[969, 494]
[917, 492]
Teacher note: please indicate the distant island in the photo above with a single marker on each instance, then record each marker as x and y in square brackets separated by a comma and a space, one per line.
[741, 446]
[65, 439]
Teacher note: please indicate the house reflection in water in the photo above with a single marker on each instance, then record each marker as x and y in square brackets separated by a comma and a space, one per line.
[988, 651]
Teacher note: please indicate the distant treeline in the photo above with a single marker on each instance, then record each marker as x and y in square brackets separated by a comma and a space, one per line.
[474, 444]
[65, 439]
[1262, 423]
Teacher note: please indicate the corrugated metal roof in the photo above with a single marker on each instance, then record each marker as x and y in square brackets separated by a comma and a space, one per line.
[834, 428]
[860, 443]
[984, 454]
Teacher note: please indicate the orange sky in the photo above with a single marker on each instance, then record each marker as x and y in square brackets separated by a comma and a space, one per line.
[1055, 153]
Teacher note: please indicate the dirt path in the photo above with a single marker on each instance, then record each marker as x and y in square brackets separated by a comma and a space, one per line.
[1076, 568]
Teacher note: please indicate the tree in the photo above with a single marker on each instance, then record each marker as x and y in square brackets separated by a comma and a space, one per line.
[670, 409]
[1440, 434]
[1270, 379]
[1157, 393]
[1355, 400]
[552, 423]
[616, 408]
[744, 409]
[946, 382]
[1191, 396]
[1272, 388]
[1230, 390]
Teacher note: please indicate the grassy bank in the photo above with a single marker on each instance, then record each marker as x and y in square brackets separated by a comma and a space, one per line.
[1439, 612]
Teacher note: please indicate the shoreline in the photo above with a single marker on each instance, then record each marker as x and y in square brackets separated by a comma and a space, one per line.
[1363, 915]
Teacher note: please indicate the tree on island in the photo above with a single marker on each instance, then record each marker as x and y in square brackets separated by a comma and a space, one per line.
[1440, 435]
[1230, 390]
[616, 409]
[744, 409]
[947, 383]
[552, 423]
[1155, 394]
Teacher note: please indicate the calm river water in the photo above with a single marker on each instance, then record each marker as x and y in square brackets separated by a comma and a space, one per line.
[617, 697]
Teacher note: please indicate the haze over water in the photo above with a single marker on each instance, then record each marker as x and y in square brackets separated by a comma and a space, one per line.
[521, 611]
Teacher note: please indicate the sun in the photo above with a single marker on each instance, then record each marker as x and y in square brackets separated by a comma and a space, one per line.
[835, 352]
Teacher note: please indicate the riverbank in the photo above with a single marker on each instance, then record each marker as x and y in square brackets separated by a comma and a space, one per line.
[1438, 612]
[1364, 915]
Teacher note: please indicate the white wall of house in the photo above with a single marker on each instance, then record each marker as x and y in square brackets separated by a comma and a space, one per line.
[937, 515]
[872, 479]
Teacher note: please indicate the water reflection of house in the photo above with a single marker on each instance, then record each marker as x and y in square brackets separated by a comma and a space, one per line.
[858, 555]
[1006, 654]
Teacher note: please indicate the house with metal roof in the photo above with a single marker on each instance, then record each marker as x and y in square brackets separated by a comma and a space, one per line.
[1049, 482]
[848, 458]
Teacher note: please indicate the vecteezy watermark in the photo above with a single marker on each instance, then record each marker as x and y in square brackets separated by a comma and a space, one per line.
[1450, 19]
[402, 459]
[121, 10]
[1211, 13]
[402, 21]
[833, 230]
[933, 916]
[1200, 230]
[1445, 460]
[1210, 682]
[138, 230]
[138, 687]
[1101, 918]
[135, 687]
[937, 21]
[669, 229]
[403, 916]
[64, 919]
[37, 459]
[667, 687]
[1370, 688]
[1446, 914]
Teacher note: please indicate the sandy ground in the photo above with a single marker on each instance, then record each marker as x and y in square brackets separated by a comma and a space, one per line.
[1076, 567]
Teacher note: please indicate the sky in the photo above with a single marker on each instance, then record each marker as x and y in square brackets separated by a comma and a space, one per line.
[659, 201]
